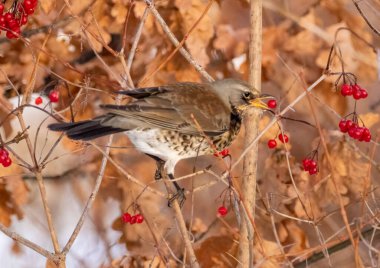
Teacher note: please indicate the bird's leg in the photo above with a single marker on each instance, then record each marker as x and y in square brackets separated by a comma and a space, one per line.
[179, 195]
[160, 165]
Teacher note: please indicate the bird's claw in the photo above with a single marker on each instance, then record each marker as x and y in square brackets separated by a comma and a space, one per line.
[179, 196]
[158, 175]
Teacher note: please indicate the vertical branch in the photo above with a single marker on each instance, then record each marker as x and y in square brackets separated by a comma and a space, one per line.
[251, 123]
[181, 225]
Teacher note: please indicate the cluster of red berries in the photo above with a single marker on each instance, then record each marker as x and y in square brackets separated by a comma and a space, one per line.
[53, 97]
[12, 21]
[354, 90]
[354, 130]
[222, 211]
[128, 218]
[272, 104]
[310, 166]
[222, 153]
[273, 144]
[5, 160]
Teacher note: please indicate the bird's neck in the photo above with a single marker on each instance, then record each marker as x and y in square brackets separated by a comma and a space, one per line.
[235, 123]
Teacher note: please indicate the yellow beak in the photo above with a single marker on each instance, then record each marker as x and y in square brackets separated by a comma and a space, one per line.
[258, 102]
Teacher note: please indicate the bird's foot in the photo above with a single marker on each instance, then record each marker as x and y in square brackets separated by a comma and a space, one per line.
[158, 174]
[179, 196]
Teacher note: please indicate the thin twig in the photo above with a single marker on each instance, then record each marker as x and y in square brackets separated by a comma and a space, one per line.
[180, 45]
[365, 18]
[176, 43]
[16, 237]
[181, 225]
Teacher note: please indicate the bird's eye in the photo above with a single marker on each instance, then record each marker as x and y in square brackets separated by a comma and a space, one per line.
[246, 94]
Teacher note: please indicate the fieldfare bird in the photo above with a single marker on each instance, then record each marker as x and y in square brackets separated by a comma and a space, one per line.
[174, 122]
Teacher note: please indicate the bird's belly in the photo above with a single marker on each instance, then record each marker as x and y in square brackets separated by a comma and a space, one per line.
[166, 144]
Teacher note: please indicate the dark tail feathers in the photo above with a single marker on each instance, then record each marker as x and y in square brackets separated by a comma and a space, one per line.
[85, 130]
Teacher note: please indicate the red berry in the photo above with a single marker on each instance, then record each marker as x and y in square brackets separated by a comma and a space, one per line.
[139, 218]
[126, 217]
[133, 219]
[351, 132]
[2, 159]
[364, 93]
[224, 152]
[2, 21]
[358, 133]
[272, 104]
[272, 144]
[356, 92]
[11, 35]
[283, 138]
[38, 101]
[24, 19]
[313, 171]
[346, 90]
[8, 16]
[4, 152]
[367, 138]
[312, 164]
[222, 211]
[7, 162]
[1, 8]
[306, 164]
[54, 96]
[28, 4]
[366, 131]
[350, 124]
[343, 126]
[29, 11]
[357, 95]
[34, 2]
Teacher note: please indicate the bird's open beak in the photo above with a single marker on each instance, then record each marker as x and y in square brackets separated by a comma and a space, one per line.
[259, 101]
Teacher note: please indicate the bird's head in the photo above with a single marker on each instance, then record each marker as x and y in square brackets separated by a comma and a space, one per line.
[239, 95]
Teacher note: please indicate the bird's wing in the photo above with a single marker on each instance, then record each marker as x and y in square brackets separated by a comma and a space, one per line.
[172, 107]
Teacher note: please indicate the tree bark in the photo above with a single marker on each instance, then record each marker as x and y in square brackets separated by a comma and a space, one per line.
[251, 123]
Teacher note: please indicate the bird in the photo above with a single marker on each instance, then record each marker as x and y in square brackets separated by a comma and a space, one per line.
[174, 122]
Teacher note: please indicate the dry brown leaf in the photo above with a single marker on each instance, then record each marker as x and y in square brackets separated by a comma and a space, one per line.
[98, 37]
[6, 210]
[231, 42]
[199, 39]
[217, 251]
[297, 237]
[326, 92]
[13, 193]
[271, 250]
[351, 179]
[119, 12]
[282, 232]
[16, 248]
[274, 38]
[47, 5]
[370, 119]
[198, 226]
